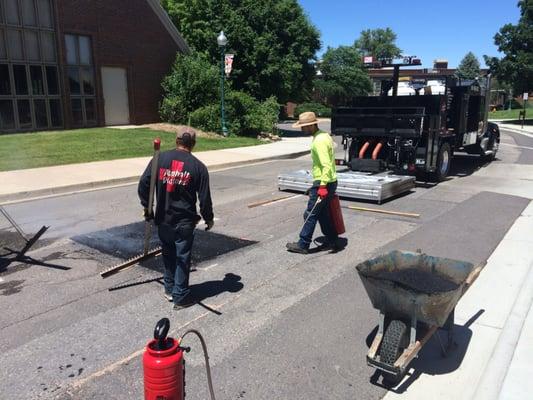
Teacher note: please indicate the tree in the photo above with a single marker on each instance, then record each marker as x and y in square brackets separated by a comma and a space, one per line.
[516, 42]
[192, 83]
[273, 41]
[379, 43]
[468, 67]
[343, 75]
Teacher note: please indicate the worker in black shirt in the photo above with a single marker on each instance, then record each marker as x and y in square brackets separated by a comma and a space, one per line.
[181, 180]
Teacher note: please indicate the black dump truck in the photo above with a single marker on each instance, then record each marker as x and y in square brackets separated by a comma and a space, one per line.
[417, 134]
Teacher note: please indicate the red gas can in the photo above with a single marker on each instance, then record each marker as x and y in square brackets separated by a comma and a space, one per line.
[163, 366]
[336, 215]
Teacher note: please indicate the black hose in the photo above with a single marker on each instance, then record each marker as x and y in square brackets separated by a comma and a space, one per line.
[206, 356]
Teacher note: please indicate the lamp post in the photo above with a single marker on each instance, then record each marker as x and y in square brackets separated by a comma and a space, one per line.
[222, 41]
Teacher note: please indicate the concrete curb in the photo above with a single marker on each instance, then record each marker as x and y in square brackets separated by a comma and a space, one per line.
[69, 189]
[491, 383]
[516, 130]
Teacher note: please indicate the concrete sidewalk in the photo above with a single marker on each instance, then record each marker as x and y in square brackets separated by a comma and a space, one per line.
[527, 130]
[39, 182]
[494, 331]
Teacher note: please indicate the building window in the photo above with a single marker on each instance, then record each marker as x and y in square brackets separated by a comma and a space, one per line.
[21, 79]
[7, 116]
[11, 8]
[29, 81]
[45, 14]
[5, 84]
[80, 72]
[3, 48]
[24, 112]
[29, 16]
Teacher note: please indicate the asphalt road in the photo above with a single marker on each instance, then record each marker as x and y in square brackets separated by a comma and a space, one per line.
[288, 326]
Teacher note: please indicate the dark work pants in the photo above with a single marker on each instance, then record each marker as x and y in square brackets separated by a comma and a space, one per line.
[320, 214]
[176, 246]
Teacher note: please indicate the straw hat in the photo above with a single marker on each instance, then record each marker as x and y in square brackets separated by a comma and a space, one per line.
[306, 119]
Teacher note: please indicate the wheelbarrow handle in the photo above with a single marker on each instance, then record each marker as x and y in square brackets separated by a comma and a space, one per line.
[474, 274]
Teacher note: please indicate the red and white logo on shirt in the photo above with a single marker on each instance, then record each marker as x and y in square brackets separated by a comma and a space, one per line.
[174, 176]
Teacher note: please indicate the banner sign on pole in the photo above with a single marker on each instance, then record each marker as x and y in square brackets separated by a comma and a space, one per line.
[228, 63]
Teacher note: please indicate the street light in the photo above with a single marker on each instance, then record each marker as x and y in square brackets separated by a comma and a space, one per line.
[222, 41]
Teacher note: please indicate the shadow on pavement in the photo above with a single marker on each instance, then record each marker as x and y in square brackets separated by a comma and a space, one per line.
[431, 360]
[231, 283]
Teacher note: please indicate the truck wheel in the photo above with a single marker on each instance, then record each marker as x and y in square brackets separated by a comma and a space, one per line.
[444, 159]
[494, 145]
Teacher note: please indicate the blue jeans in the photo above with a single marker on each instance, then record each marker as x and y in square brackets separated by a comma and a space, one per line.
[320, 214]
[176, 246]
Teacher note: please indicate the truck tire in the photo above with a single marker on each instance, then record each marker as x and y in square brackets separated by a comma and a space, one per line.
[494, 145]
[444, 159]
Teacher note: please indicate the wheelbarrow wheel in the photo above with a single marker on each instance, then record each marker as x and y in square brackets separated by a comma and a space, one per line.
[395, 340]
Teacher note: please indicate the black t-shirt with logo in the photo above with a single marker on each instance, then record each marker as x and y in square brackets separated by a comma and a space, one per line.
[181, 180]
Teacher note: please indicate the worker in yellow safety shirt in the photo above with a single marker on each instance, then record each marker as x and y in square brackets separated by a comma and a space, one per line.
[324, 186]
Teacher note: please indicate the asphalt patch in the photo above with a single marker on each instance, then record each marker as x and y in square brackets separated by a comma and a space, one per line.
[469, 232]
[127, 241]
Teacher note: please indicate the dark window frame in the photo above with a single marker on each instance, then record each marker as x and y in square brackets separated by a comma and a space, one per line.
[39, 29]
[82, 96]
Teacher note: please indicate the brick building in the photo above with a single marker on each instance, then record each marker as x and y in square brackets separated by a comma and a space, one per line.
[82, 63]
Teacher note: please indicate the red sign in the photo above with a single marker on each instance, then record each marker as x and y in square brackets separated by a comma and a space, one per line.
[228, 63]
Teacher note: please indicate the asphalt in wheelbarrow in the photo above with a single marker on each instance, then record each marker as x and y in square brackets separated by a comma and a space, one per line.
[416, 280]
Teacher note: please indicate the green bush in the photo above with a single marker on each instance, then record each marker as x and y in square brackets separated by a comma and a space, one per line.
[319, 109]
[192, 84]
[267, 114]
[249, 117]
[206, 118]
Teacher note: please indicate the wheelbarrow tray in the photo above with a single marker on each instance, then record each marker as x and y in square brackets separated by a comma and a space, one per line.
[402, 301]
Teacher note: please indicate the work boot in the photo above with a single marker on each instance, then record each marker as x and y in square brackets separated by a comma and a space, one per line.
[295, 248]
[188, 301]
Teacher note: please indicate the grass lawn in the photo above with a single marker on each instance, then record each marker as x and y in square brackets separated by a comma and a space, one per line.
[40, 149]
[510, 114]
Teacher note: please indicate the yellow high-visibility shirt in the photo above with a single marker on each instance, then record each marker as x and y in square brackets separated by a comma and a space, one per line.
[323, 158]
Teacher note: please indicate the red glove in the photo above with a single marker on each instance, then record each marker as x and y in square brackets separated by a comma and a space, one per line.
[322, 192]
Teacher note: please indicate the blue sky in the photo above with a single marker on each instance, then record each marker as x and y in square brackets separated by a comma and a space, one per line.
[428, 29]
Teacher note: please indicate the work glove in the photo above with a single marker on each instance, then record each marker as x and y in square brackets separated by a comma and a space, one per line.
[209, 225]
[148, 214]
[322, 191]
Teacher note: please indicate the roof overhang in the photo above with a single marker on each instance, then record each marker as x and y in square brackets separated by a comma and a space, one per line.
[169, 26]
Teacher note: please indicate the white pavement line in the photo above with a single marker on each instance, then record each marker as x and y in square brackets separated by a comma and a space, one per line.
[515, 146]
[516, 130]
[478, 366]
[209, 267]
[494, 375]
[115, 365]
[49, 196]
[282, 200]
[125, 360]
[215, 169]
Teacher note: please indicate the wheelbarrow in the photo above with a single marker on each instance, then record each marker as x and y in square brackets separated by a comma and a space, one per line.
[415, 295]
